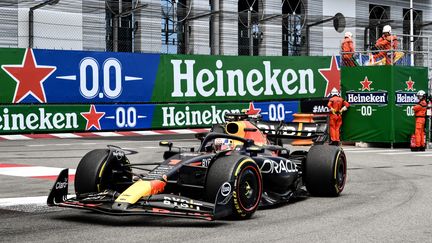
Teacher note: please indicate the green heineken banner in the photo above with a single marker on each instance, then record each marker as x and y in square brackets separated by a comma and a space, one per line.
[241, 78]
[381, 101]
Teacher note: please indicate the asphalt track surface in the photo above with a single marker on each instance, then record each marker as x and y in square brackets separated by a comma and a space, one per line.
[387, 199]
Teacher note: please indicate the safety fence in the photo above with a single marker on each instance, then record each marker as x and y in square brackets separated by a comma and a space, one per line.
[248, 27]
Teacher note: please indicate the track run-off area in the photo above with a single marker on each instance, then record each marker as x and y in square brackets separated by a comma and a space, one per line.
[387, 198]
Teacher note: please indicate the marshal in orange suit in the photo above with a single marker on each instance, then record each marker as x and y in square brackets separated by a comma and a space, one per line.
[337, 105]
[420, 120]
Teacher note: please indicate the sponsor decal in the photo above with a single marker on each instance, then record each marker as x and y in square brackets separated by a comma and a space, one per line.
[226, 189]
[366, 84]
[206, 162]
[410, 85]
[283, 166]
[314, 106]
[408, 95]
[61, 185]
[181, 202]
[289, 129]
[373, 98]
[406, 98]
[118, 154]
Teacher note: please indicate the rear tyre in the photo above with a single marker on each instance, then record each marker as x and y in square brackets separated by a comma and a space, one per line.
[97, 172]
[325, 170]
[248, 186]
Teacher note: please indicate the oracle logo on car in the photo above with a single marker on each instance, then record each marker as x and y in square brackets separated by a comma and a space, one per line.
[271, 166]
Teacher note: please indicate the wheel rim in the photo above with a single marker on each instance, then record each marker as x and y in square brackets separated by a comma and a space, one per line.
[249, 188]
[341, 173]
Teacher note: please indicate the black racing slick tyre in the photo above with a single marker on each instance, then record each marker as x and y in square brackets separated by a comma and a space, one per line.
[325, 170]
[98, 171]
[247, 179]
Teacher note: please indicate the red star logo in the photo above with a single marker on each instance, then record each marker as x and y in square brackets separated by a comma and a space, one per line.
[410, 85]
[29, 77]
[332, 76]
[252, 110]
[366, 84]
[93, 118]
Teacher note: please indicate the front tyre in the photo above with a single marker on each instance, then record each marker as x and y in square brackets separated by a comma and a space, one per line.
[247, 180]
[100, 170]
[325, 170]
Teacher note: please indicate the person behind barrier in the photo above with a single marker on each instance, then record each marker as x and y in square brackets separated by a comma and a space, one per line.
[347, 49]
[337, 105]
[387, 42]
[420, 119]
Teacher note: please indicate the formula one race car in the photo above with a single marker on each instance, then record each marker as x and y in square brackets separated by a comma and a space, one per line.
[228, 176]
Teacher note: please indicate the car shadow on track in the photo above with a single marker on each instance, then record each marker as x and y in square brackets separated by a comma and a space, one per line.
[128, 221]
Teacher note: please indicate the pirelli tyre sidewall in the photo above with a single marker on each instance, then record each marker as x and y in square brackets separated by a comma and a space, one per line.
[95, 172]
[246, 177]
[325, 170]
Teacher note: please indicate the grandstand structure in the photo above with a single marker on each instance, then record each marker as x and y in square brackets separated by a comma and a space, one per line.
[210, 27]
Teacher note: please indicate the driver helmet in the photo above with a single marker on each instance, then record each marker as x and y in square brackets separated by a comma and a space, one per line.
[221, 144]
[421, 94]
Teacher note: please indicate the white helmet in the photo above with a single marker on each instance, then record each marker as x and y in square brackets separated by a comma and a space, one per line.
[421, 94]
[348, 34]
[334, 92]
[387, 29]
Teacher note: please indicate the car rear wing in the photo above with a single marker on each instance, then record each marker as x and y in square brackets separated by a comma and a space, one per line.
[294, 130]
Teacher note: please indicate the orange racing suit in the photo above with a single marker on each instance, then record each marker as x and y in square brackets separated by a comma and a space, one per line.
[336, 104]
[386, 43]
[420, 119]
[347, 46]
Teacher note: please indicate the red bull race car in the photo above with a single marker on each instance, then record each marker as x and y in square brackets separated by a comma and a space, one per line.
[239, 166]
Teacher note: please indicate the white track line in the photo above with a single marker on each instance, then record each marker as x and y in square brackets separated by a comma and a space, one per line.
[371, 151]
[400, 153]
[32, 171]
[65, 135]
[7, 202]
[21, 201]
[107, 134]
[15, 137]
